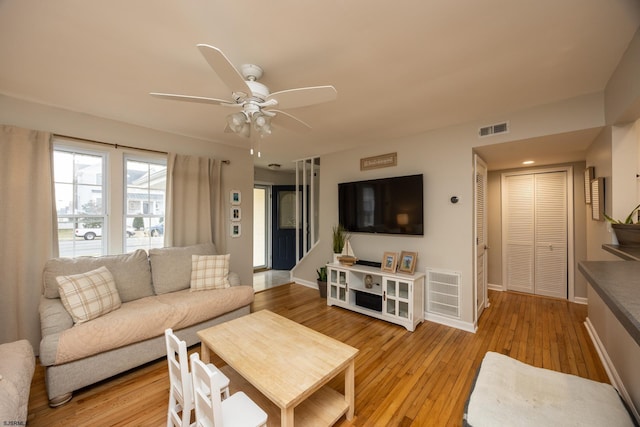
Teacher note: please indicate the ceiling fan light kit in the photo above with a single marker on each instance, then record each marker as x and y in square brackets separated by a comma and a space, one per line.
[254, 98]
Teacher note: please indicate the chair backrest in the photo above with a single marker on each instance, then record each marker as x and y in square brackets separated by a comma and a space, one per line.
[208, 406]
[179, 376]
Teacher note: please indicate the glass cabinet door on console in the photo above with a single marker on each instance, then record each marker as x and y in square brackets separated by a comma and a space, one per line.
[393, 297]
[396, 298]
[338, 287]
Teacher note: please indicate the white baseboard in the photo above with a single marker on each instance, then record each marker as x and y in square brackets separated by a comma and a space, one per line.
[307, 283]
[615, 379]
[454, 323]
[494, 287]
[581, 300]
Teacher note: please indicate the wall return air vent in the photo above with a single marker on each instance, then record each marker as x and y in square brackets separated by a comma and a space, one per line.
[494, 129]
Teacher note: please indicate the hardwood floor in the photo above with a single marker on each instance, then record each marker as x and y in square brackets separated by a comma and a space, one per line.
[402, 378]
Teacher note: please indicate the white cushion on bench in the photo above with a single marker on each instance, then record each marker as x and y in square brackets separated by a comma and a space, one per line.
[509, 392]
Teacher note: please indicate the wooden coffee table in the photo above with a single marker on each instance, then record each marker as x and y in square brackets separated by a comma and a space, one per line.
[288, 363]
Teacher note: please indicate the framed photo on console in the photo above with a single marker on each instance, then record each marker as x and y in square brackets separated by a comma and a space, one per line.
[389, 261]
[407, 262]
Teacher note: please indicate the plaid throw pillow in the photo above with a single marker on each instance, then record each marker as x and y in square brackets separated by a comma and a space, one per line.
[88, 295]
[209, 272]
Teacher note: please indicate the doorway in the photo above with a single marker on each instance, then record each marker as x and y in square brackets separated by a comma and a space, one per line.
[283, 227]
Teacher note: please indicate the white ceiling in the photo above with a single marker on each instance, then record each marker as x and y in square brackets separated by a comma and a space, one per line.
[400, 67]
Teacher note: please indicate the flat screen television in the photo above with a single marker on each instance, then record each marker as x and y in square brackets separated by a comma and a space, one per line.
[388, 205]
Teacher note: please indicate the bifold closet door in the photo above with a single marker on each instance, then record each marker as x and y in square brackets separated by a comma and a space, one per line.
[519, 232]
[535, 215]
[551, 234]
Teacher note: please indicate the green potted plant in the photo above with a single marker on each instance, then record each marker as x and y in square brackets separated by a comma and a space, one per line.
[339, 238]
[627, 231]
[322, 281]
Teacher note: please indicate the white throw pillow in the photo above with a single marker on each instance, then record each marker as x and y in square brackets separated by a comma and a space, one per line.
[89, 295]
[209, 272]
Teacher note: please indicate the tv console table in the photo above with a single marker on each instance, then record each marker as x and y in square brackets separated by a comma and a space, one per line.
[395, 297]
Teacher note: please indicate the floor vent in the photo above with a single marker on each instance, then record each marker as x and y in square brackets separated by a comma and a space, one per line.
[443, 292]
[495, 129]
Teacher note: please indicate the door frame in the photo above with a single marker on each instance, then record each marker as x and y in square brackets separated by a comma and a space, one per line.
[267, 225]
[478, 161]
[570, 223]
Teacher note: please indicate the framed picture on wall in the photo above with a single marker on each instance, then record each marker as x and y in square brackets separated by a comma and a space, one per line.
[235, 197]
[597, 199]
[236, 231]
[407, 262]
[235, 214]
[589, 174]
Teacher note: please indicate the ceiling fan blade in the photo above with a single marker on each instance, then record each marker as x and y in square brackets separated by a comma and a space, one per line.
[200, 99]
[224, 69]
[290, 122]
[301, 97]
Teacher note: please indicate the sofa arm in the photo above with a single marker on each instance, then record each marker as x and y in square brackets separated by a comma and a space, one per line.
[234, 279]
[54, 319]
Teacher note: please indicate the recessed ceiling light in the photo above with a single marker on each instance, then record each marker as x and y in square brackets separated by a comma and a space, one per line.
[528, 162]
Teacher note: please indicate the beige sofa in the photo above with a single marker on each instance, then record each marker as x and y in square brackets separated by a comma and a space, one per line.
[155, 294]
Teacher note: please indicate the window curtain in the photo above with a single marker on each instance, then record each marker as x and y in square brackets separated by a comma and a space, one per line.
[194, 203]
[28, 229]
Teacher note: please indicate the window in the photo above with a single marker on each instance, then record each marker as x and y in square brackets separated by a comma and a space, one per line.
[107, 201]
[79, 178]
[144, 203]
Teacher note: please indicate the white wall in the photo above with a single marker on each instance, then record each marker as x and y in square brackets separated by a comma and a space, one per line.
[238, 175]
[625, 151]
[599, 232]
[622, 93]
[445, 157]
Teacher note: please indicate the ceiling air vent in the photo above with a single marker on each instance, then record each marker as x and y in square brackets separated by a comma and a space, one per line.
[494, 129]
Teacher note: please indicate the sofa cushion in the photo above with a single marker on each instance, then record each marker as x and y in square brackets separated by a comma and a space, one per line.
[209, 272]
[124, 326]
[89, 295]
[130, 272]
[171, 267]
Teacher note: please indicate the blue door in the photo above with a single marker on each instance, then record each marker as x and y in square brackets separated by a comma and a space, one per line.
[283, 228]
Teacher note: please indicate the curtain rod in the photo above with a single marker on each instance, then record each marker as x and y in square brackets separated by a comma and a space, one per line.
[116, 146]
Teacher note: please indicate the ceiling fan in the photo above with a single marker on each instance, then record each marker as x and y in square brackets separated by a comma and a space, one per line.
[258, 107]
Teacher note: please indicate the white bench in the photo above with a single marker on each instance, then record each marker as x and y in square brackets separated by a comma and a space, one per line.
[509, 392]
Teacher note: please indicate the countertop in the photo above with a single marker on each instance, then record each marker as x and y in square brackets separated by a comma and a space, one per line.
[618, 284]
[629, 253]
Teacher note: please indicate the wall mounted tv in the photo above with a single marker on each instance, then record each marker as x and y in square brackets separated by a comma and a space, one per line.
[387, 205]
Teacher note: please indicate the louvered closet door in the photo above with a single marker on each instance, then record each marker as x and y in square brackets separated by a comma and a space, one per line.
[519, 230]
[535, 215]
[551, 234]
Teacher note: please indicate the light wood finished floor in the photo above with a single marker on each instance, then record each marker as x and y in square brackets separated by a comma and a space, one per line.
[401, 378]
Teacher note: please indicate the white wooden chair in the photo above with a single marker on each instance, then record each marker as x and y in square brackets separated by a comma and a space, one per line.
[181, 388]
[238, 410]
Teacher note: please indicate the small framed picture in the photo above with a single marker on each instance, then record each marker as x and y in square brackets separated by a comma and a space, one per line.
[389, 261]
[236, 214]
[407, 262]
[236, 231]
[597, 199]
[589, 174]
[235, 197]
